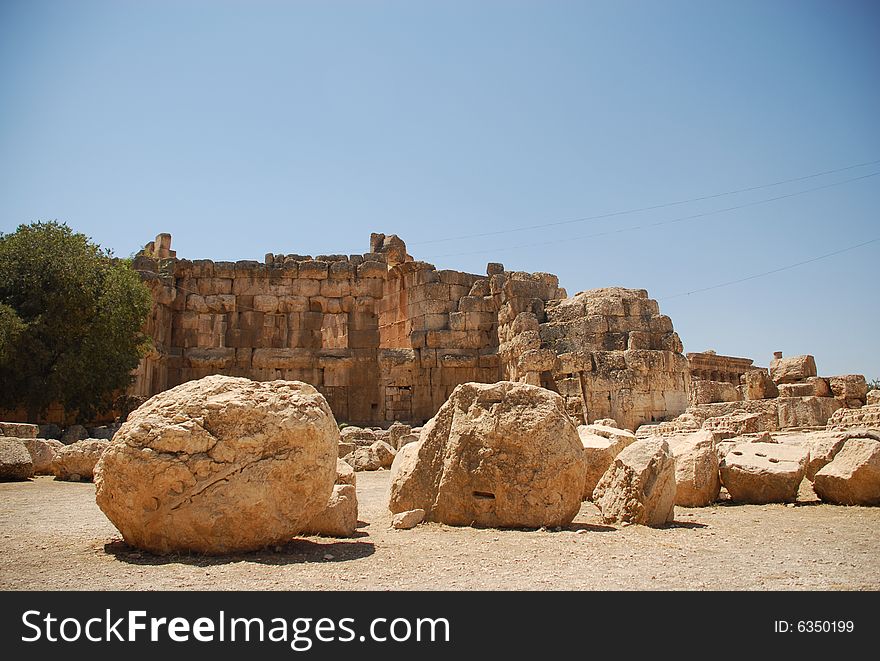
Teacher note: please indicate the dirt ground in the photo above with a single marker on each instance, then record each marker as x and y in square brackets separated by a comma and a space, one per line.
[54, 537]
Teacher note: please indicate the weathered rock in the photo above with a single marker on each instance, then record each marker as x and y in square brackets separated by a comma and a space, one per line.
[867, 417]
[358, 436]
[73, 434]
[18, 430]
[639, 487]
[850, 389]
[372, 458]
[600, 451]
[821, 388]
[606, 422]
[853, 476]
[408, 519]
[396, 432]
[501, 455]
[76, 462]
[759, 385]
[792, 369]
[737, 423]
[42, 453]
[339, 517]
[872, 397]
[697, 478]
[345, 449]
[345, 474]
[15, 460]
[220, 465]
[805, 411]
[796, 389]
[710, 392]
[764, 472]
[409, 438]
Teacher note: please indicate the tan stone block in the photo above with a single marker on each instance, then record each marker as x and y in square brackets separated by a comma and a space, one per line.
[372, 269]
[220, 303]
[341, 271]
[265, 303]
[293, 303]
[196, 303]
[335, 288]
[313, 270]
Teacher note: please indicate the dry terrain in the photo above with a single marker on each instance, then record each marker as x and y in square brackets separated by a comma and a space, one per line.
[54, 537]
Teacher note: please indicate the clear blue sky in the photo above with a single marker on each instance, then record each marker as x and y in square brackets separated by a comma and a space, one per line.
[251, 127]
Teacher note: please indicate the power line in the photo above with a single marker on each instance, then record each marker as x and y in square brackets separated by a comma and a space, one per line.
[765, 273]
[613, 214]
[671, 221]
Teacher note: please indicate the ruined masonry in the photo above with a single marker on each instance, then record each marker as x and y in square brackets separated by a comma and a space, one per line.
[385, 337]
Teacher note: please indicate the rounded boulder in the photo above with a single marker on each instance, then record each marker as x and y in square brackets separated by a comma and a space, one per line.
[220, 465]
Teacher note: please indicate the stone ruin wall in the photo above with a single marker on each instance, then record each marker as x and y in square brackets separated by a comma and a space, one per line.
[385, 337]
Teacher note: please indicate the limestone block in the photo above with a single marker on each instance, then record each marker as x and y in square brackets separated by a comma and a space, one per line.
[845, 418]
[339, 517]
[849, 388]
[697, 477]
[220, 303]
[805, 411]
[15, 460]
[639, 486]
[761, 473]
[500, 455]
[18, 430]
[853, 476]
[220, 465]
[796, 390]
[792, 369]
[759, 385]
[313, 270]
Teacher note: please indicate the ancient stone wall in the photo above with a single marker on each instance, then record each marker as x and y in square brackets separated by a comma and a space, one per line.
[385, 337]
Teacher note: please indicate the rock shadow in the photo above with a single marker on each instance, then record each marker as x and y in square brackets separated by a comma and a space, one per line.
[590, 527]
[296, 551]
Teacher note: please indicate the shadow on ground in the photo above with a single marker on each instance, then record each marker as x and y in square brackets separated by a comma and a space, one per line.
[297, 551]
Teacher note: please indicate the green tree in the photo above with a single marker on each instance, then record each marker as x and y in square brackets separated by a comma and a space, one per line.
[70, 321]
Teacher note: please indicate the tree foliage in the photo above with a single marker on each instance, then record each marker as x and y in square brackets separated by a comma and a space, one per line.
[70, 321]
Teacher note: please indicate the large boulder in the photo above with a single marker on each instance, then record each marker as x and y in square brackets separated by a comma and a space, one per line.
[15, 460]
[849, 389]
[18, 430]
[758, 385]
[853, 476]
[639, 487]
[792, 369]
[496, 454]
[220, 465]
[42, 453]
[872, 396]
[764, 472]
[805, 411]
[600, 449]
[697, 479]
[76, 462]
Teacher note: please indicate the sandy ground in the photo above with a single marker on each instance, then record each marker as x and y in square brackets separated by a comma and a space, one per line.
[54, 537]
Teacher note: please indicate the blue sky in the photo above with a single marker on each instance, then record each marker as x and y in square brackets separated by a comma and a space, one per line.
[300, 127]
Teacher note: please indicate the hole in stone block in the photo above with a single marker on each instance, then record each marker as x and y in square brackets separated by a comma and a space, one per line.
[484, 495]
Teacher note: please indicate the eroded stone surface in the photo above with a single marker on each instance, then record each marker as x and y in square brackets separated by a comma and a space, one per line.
[499, 455]
[219, 465]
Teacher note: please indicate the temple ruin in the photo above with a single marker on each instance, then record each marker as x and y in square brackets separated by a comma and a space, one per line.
[386, 337]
